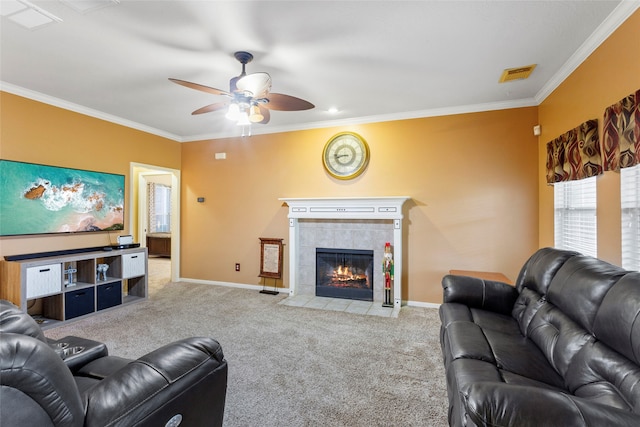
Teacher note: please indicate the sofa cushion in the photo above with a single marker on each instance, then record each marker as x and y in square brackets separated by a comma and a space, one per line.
[617, 322]
[601, 375]
[495, 321]
[519, 355]
[580, 285]
[505, 351]
[509, 405]
[537, 272]
[526, 306]
[557, 336]
[465, 340]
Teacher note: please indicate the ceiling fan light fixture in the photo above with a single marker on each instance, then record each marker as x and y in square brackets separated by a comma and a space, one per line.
[250, 98]
[243, 119]
[234, 112]
[255, 115]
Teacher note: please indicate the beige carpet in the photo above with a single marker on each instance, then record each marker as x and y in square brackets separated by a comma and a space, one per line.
[290, 366]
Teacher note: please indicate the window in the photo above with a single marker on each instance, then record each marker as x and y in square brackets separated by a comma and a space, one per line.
[630, 195]
[575, 216]
[159, 208]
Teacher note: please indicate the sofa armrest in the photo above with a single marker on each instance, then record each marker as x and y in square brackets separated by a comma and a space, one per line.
[186, 378]
[479, 293]
[499, 404]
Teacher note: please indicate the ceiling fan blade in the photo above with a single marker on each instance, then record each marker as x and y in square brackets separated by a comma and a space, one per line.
[280, 102]
[203, 88]
[258, 84]
[212, 107]
[265, 113]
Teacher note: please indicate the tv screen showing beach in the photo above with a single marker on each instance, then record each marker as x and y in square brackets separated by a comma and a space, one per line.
[39, 199]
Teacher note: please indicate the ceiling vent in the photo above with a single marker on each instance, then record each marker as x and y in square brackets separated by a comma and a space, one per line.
[519, 73]
[27, 14]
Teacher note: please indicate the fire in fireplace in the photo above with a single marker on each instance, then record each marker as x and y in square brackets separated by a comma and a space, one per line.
[344, 273]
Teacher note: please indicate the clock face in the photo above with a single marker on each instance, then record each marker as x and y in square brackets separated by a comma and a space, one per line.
[346, 155]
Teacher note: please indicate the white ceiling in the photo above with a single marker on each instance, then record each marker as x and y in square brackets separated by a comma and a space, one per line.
[373, 60]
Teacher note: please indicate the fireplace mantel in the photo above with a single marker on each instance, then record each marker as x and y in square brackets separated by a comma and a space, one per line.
[346, 208]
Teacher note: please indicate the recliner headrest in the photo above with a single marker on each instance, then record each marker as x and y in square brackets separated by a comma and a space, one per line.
[13, 320]
[617, 322]
[540, 268]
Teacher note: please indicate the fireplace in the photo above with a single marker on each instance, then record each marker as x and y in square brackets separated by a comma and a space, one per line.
[344, 273]
[341, 222]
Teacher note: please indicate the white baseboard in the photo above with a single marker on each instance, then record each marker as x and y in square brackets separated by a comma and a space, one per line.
[286, 290]
[422, 304]
[232, 285]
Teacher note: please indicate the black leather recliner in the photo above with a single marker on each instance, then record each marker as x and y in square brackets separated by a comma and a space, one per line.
[181, 384]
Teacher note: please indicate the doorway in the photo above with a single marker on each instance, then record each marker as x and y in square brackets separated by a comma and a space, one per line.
[141, 176]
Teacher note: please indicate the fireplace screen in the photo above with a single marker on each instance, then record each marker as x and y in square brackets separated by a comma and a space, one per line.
[344, 273]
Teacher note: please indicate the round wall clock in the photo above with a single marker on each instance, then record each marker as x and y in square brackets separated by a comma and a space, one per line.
[345, 155]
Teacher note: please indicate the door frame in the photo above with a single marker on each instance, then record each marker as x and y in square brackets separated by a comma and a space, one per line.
[138, 198]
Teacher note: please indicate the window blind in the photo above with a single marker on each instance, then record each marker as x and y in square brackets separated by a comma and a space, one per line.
[575, 221]
[630, 204]
[159, 208]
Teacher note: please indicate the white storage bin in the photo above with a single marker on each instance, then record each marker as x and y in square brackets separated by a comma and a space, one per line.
[133, 265]
[43, 280]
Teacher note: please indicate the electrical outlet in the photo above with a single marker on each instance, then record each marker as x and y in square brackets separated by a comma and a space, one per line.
[237, 266]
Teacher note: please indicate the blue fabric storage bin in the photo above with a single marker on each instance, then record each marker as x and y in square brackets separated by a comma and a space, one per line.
[78, 303]
[109, 295]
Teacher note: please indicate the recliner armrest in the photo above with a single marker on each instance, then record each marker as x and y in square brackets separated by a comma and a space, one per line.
[500, 404]
[36, 388]
[187, 377]
[479, 293]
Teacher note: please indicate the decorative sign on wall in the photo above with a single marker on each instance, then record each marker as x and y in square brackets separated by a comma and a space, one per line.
[270, 258]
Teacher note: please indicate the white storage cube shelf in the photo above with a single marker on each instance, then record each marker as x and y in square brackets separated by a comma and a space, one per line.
[42, 284]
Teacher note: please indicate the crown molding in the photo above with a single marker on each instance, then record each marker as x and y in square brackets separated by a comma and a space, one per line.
[435, 112]
[66, 105]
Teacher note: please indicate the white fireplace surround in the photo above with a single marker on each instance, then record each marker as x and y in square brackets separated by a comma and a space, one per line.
[345, 208]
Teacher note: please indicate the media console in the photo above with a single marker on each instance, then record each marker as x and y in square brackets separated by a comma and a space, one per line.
[58, 288]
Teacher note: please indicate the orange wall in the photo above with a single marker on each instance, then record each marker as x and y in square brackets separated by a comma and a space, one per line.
[608, 75]
[472, 179]
[39, 133]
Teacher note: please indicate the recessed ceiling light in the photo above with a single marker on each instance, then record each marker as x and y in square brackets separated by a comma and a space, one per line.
[332, 110]
[86, 6]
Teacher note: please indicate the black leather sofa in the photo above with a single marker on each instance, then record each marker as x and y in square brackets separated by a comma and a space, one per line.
[560, 348]
[181, 384]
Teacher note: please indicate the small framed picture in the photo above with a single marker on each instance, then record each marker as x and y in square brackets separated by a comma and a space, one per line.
[270, 258]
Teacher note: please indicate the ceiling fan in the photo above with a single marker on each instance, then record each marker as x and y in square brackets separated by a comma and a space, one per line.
[249, 97]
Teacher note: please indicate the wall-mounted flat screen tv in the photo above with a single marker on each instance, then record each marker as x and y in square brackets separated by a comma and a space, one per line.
[39, 199]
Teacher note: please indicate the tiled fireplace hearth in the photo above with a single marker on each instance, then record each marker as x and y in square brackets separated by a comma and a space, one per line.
[361, 223]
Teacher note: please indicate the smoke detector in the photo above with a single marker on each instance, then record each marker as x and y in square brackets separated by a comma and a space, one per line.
[519, 73]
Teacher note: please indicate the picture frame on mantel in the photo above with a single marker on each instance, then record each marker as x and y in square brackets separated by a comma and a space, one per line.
[270, 258]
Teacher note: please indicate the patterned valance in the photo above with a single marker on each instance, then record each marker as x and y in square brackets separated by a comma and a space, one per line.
[621, 133]
[575, 154]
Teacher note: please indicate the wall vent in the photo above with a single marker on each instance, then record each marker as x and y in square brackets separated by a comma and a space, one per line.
[519, 73]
